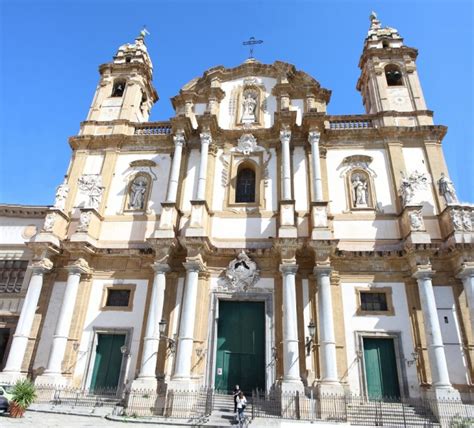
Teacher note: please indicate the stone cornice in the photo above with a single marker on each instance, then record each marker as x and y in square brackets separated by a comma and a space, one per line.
[268, 137]
[127, 69]
[387, 53]
[23, 211]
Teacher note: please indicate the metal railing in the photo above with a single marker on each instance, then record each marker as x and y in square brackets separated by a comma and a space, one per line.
[77, 397]
[358, 410]
[153, 128]
[171, 404]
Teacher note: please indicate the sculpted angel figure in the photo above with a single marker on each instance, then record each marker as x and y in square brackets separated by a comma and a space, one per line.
[137, 193]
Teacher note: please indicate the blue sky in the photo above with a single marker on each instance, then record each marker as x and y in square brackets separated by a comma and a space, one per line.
[50, 52]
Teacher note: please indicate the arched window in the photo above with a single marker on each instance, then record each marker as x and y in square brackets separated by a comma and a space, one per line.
[245, 189]
[118, 89]
[393, 75]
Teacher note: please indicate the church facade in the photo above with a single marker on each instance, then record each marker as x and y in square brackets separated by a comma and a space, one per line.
[253, 239]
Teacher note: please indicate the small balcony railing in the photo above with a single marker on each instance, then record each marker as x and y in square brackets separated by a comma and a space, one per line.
[351, 122]
[153, 128]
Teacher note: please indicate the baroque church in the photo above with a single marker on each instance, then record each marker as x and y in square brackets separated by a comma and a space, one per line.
[252, 239]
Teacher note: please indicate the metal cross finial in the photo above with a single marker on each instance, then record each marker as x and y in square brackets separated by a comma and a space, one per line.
[144, 32]
[250, 42]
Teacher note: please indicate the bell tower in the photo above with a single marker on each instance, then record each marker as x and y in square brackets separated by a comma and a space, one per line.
[389, 81]
[125, 91]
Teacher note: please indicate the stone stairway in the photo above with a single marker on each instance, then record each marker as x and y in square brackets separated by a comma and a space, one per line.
[223, 410]
[389, 414]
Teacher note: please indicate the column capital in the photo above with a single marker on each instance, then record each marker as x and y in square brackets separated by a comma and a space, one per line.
[314, 137]
[466, 270]
[323, 270]
[288, 268]
[78, 267]
[179, 139]
[206, 137]
[194, 264]
[423, 272]
[42, 266]
[285, 135]
[160, 267]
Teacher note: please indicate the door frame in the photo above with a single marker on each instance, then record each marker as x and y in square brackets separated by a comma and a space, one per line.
[270, 363]
[11, 327]
[399, 359]
[128, 332]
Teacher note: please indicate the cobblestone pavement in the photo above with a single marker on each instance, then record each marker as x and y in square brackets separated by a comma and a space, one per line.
[46, 420]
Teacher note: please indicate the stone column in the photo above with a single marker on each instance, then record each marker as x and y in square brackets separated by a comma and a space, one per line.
[441, 385]
[313, 139]
[201, 189]
[175, 167]
[329, 378]
[182, 373]
[12, 370]
[291, 360]
[285, 137]
[147, 376]
[467, 276]
[53, 372]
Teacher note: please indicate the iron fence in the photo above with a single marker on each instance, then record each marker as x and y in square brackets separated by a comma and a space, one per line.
[198, 404]
[175, 403]
[77, 397]
[358, 410]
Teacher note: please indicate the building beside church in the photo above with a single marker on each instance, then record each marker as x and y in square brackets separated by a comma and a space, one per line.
[253, 239]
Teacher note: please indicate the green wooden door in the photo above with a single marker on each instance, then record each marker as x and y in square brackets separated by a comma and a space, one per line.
[240, 358]
[108, 361]
[381, 368]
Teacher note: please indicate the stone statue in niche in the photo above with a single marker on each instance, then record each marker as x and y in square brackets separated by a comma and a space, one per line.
[360, 189]
[138, 190]
[61, 195]
[241, 273]
[249, 107]
[447, 190]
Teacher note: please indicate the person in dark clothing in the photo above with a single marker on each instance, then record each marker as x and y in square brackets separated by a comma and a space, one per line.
[236, 392]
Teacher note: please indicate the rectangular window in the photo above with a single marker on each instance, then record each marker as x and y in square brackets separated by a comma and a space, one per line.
[118, 297]
[12, 273]
[373, 302]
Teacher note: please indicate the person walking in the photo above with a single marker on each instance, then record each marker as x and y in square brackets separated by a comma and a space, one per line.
[241, 404]
[235, 393]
